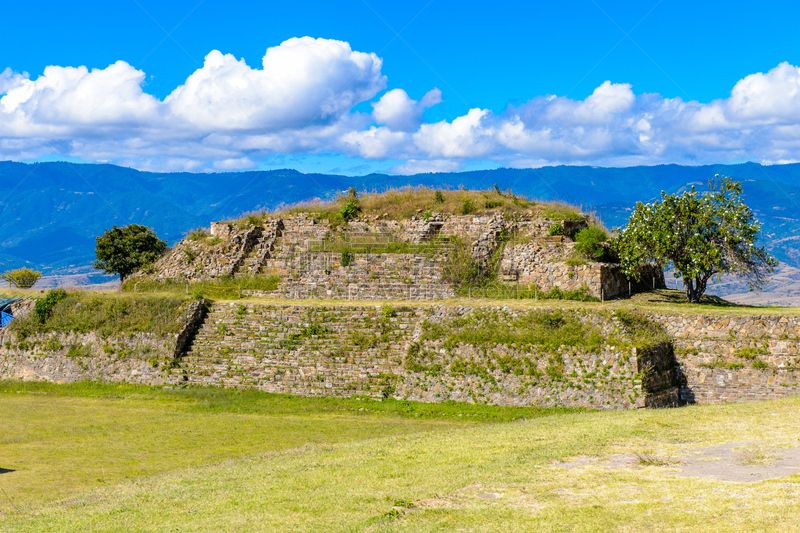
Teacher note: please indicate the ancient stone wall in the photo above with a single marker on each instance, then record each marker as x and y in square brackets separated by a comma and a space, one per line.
[542, 262]
[376, 350]
[736, 358]
[69, 357]
[365, 277]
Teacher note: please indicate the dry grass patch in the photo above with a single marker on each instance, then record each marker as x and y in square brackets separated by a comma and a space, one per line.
[756, 456]
[405, 202]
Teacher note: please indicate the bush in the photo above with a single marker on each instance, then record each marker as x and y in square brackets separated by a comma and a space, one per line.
[555, 229]
[22, 278]
[592, 243]
[467, 207]
[438, 197]
[198, 234]
[351, 207]
[44, 307]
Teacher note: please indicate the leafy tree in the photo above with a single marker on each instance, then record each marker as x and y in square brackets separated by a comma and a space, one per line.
[701, 235]
[22, 278]
[125, 250]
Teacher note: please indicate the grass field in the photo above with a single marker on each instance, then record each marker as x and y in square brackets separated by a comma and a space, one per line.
[102, 458]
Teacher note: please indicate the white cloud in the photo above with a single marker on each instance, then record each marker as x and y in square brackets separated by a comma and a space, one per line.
[466, 137]
[303, 81]
[399, 112]
[66, 98]
[303, 98]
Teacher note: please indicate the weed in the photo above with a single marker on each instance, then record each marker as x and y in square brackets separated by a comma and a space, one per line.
[79, 350]
[467, 207]
[346, 258]
[755, 456]
[646, 459]
[198, 234]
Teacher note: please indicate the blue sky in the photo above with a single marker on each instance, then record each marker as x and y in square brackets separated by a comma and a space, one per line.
[662, 74]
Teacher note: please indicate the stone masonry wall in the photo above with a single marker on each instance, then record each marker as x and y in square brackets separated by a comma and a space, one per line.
[541, 262]
[358, 349]
[736, 358]
[345, 350]
[70, 357]
[366, 277]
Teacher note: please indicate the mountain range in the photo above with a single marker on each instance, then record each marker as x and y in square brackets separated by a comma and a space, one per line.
[51, 212]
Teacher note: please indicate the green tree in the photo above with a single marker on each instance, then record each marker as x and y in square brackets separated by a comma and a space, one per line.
[700, 235]
[125, 250]
[21, 278]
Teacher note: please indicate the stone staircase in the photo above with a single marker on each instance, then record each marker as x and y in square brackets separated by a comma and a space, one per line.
[299, 350]
[261, 249]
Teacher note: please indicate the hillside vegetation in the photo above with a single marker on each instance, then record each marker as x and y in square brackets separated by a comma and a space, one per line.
[105, 313]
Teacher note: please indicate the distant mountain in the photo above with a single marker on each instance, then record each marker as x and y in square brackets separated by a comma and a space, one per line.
[52, 212]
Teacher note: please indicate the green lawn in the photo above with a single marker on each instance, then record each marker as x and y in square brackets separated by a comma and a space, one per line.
[60, 440]
[139, 459]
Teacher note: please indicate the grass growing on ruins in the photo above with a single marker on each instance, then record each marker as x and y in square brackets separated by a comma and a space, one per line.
[405, 202]
[376, 244]
[576, 472]
[225, 287]
[542, 328]
[107, 314]
[60, 440]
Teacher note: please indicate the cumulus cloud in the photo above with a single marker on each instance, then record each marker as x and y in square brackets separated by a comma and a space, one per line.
[302, 82]
[303, 100]
[399, 112]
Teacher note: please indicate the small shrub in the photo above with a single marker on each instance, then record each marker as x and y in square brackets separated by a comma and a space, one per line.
[189, 255]
[44, 307]
[351, 207]
[759, 364]
[388, 311]
[592, 243]
[52, 345]
[467, 207]
[438, 197]
[347, 258]
[555, 229]
[79, 350]
[199, 234]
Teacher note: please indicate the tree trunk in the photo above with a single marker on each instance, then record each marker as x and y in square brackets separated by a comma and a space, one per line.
[691, 290]
[695, 288]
